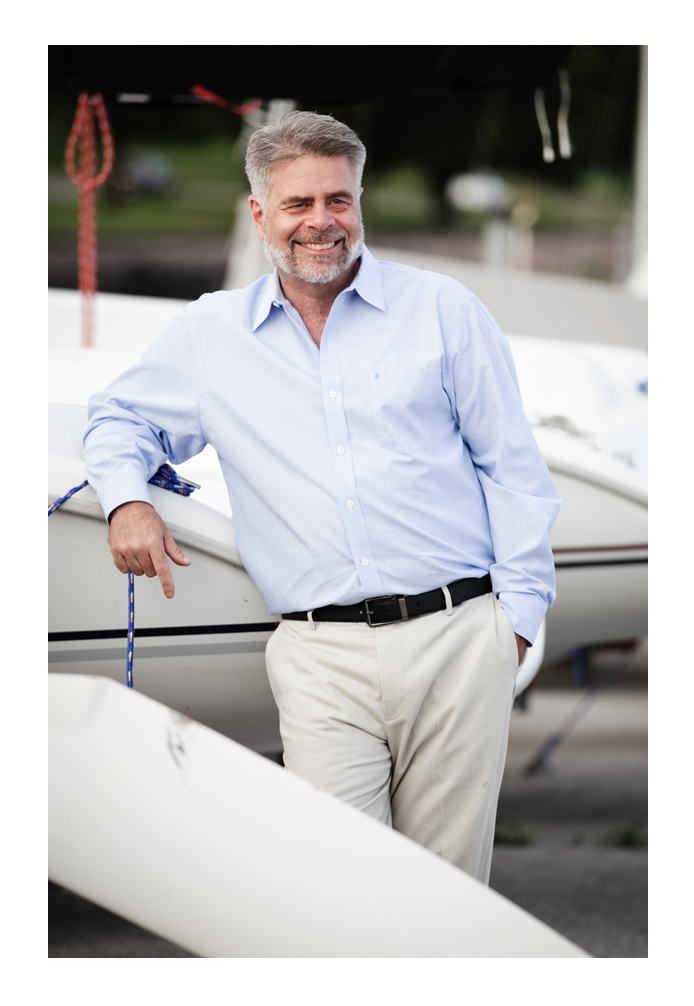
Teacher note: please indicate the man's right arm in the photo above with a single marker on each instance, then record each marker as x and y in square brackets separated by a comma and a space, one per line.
[148, 415]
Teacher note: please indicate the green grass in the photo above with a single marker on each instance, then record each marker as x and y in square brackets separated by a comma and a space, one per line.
[510, 833]
[602, 202]
[151, 216]
[629, 836]
[397, 199]
[208, 179]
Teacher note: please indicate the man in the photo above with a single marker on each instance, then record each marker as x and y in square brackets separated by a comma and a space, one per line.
[389, 498]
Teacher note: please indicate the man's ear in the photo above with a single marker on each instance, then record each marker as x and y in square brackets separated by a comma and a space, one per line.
[257, 214]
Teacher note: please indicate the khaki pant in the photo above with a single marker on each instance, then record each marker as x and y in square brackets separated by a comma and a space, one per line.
[406, 722]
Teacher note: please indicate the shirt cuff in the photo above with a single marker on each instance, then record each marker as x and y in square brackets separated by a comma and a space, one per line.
[127, 486]
[524, 611]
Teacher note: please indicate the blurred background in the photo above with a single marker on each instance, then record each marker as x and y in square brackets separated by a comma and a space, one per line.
[535, 198]
[166, 212]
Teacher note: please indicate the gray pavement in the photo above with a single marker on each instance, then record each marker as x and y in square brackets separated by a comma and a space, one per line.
[79, 928]
[583, 870]
[583, 866]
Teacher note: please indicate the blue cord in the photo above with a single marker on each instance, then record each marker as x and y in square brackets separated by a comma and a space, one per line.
[57, 503]
[131, 630]
[166, 478]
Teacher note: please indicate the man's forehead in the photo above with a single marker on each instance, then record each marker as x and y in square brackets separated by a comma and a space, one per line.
[317, 175]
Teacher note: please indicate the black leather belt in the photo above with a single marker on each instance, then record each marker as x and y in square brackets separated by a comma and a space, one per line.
[397, 608]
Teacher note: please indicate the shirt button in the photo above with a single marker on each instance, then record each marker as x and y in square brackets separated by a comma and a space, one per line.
[275, 303]
[350, 504]
[365, 562]
[343, 307]
[333, 394]
[340, 450]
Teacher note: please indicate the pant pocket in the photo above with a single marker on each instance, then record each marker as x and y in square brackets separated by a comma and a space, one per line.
[505, 633]
[272, 643]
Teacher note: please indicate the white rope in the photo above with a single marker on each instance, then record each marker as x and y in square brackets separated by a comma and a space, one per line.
[547, 148]
[563, 117]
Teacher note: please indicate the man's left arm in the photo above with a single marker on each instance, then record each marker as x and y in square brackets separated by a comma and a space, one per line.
[522, 500]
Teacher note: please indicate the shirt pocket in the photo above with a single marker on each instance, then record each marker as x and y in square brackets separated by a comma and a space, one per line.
[403, 403]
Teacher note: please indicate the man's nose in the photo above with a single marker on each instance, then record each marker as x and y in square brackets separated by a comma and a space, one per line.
[321, 217]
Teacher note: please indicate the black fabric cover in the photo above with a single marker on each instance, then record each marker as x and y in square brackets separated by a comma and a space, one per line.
[304, 73]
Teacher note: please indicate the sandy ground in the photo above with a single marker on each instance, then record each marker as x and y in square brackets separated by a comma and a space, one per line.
[583, 866]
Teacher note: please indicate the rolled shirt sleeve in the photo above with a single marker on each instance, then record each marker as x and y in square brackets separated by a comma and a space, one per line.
[146, 416]
[522, 500]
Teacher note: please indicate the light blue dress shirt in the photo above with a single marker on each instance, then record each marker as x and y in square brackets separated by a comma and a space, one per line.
[394, 459]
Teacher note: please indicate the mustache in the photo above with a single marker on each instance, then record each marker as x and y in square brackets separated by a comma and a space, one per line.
[318, 237]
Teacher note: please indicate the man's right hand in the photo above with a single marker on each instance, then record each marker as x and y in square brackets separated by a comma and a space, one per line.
[140, 542]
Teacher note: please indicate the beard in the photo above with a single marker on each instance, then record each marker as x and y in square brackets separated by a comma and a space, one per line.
[317, 271]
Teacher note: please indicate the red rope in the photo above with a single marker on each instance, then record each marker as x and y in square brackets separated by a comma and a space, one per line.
[83, 133]
[201, 92]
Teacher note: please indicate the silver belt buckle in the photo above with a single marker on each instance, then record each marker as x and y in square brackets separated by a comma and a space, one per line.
[391, 621]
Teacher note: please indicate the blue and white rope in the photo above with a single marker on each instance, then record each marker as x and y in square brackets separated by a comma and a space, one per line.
[56, 503]
[166, 478]
[131, 630]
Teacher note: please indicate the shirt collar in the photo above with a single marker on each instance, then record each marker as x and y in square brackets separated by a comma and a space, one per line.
[271, 296]
[367, 283]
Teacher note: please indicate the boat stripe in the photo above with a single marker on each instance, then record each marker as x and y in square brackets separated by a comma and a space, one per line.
[600, 548]
[168, 630]
[601, 562]
[170, 650]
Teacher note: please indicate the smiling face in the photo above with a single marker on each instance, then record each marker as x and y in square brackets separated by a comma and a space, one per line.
[311, 226]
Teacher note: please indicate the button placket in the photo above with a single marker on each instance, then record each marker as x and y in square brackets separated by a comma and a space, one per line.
[338, 435]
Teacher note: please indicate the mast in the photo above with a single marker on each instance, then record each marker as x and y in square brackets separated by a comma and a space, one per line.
[637, 280]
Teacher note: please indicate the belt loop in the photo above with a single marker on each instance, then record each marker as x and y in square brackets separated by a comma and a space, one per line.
[449, 603]
[309, 616]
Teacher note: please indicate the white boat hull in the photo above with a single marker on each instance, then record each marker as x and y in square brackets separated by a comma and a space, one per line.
[215, 677]
[600, 545]
[197, 839]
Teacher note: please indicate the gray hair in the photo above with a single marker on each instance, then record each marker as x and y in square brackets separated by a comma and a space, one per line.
[295, 135]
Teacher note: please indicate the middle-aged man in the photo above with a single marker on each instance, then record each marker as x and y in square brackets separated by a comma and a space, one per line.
[389, 498]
